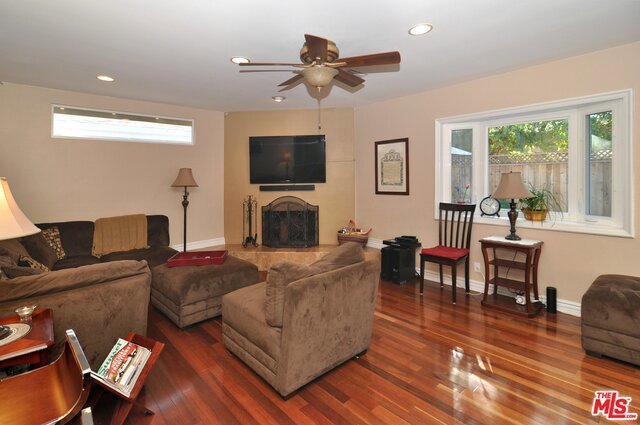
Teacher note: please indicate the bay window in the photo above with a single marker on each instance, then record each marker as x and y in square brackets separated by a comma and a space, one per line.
[579, 149]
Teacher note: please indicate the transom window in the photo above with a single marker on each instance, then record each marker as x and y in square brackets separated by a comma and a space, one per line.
[578, 149]
[82, 123]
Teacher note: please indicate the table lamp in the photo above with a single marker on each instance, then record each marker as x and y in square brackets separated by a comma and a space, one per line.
[13, 224]
[185, 179]
[511, 187]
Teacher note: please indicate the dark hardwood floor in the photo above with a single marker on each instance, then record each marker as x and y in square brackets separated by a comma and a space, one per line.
[429, 362]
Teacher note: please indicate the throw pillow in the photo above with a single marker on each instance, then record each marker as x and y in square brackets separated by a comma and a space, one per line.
[52, 236]
[40, 250]
[17, 271]
[344, 255]
[280, 275]
[34, 264]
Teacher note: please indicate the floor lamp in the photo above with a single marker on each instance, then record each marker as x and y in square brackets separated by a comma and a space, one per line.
[185, 179]
[13, 224]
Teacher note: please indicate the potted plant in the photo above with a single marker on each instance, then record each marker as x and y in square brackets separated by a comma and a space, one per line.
[542, 202]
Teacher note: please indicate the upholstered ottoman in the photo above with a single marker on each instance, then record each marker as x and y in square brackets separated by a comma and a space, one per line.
[190, 294]
[611, 318]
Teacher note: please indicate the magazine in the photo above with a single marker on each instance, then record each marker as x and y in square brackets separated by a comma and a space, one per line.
[122, 367]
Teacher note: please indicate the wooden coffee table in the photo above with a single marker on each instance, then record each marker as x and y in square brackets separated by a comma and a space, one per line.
[31, 349]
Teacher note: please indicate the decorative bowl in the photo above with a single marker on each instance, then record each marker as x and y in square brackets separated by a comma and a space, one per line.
[25, 312]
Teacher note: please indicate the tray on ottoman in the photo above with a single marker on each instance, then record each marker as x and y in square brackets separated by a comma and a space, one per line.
[199, 258]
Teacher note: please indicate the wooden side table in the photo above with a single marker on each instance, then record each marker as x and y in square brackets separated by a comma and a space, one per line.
[31, 349]
[531, 250]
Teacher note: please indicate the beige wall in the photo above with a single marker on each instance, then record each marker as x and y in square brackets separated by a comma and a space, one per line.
[336, 197]
[64, 179]
[569, 261]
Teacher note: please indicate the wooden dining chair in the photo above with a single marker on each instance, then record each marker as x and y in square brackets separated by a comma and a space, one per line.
[454, 239]
[52, 394]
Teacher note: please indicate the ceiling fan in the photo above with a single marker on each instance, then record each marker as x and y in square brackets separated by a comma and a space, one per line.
[321, 64]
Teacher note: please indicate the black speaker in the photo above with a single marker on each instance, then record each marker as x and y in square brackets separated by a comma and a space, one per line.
[552, 295]
[287, 187]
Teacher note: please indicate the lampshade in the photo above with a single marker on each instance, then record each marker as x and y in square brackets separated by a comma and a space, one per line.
[185, 179]
[13, 222]
[319, 76]
[511, 187]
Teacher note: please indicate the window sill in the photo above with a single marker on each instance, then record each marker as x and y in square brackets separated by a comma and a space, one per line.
[558, 225]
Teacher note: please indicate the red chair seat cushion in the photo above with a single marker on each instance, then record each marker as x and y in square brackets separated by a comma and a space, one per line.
[446, 252]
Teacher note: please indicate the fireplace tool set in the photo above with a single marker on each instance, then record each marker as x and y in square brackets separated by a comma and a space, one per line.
[249, 221]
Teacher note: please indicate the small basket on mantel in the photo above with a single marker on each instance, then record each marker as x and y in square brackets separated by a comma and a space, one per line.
[351, 233]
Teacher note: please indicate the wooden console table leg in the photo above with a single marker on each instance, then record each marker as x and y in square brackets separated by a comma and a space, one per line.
[536, 259]
[527, 283]
[487, 273]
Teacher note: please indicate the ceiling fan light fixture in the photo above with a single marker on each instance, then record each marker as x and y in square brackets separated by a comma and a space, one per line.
[420, 29]
[319, 76]
[278, 99]
[240, 59]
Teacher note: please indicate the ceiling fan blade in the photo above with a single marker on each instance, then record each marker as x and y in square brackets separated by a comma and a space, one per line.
[317, 47]
[291, 80]
[375, 59]
[271, 64]
[348, 78]
[265, 70]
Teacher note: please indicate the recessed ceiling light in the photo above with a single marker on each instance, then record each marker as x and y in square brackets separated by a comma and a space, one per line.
[105, 78]
[278, 98]
[240, 59]
[420, 29]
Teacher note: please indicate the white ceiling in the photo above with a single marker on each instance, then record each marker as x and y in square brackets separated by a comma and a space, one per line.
[178, 51]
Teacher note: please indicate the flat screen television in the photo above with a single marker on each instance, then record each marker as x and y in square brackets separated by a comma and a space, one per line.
[287, 159]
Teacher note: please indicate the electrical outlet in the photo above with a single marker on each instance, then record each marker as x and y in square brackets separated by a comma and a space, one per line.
[476, 267]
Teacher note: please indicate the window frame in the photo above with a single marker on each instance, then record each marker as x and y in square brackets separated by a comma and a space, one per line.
[128, 115]
[575, 110]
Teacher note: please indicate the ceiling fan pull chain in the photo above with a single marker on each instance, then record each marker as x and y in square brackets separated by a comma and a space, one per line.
[319, 117]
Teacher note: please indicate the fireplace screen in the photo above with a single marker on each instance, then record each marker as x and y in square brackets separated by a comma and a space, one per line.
[289, 222]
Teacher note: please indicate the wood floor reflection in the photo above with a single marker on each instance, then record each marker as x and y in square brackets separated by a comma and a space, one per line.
[429, 362]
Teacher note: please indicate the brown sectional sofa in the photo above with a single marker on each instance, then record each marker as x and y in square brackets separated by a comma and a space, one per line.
[100, 298]
[77, 240]
[304, 320]
[101, 302]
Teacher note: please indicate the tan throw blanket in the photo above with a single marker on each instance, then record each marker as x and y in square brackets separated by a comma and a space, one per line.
[123, 233]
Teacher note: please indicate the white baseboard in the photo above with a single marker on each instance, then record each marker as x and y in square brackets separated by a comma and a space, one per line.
[563, 306]
[191, 246]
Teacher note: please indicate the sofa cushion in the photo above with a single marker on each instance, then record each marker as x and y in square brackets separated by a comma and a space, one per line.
[40, 250]
[5, 261]
[76, 236]
[243, 311]
[68, 279]
[157, 230]
[16, 271]
[344, 255]
[52, 236]
[13, 248]
[280, 275]
[77, 261]
[155, 255]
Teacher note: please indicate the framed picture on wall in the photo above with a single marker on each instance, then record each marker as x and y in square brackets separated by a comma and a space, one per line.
[392, 167]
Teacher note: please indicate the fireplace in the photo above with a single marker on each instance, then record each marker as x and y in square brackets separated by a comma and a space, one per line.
[289, 222]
